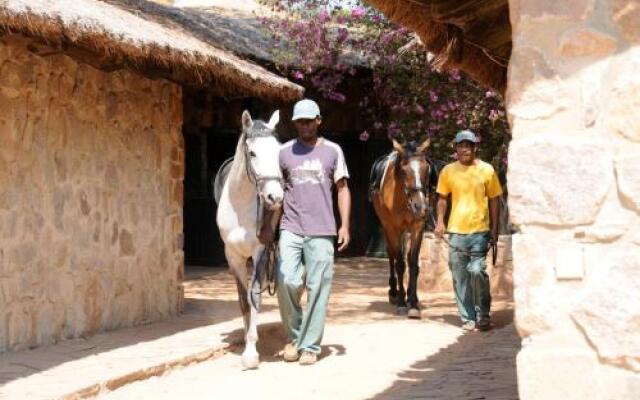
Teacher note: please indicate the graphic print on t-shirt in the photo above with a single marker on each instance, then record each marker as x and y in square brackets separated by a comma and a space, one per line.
[310, 171]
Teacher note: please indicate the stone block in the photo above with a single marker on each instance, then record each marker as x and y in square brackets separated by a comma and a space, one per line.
[531, 76]
[586, 42]
[557, 373]
[19, 328]
[127, 247]
[94, 303]
[545, 10]
[67, 290]
[547, 186]
[626, 15]
[627, 168]
[611, 318]
[532, 280]
[623, 101]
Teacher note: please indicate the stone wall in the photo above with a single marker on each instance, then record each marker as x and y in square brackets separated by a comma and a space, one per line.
[91, 167]
[435, 275]
[574, 192]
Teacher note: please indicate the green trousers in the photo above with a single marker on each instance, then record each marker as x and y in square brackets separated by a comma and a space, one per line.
[305, 262]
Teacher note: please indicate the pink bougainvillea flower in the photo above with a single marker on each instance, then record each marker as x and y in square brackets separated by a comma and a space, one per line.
[323, 16]
[343, 34]
[335, 96]
[358, 12]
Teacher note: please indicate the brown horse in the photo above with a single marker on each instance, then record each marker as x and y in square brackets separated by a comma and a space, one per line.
[401, 203]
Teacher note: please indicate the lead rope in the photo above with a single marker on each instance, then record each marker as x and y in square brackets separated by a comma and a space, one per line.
[492, 246]
[266, 262]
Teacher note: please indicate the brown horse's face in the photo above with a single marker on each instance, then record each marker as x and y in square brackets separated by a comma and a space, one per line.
[413, 171]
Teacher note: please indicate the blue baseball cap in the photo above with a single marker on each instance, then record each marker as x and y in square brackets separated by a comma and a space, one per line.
[306, 109]
[466, 135]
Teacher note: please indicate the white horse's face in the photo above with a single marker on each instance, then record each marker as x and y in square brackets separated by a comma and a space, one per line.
[264, 158]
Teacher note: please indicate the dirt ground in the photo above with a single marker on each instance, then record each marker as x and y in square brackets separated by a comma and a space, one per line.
[368, 351]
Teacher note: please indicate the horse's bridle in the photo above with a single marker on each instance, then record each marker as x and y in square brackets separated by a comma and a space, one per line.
[258, 180]
[418, 189]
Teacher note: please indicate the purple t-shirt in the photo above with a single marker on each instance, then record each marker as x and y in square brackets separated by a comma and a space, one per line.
[310, 173]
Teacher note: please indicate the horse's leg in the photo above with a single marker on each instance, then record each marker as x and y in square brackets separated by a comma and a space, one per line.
[393, 282]
[238, 268]
[250, 356]
[414, 271]
[398, 256]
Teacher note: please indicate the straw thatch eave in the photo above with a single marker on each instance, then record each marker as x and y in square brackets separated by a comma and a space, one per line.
[109, 35]
[237, 30]
[472, 35]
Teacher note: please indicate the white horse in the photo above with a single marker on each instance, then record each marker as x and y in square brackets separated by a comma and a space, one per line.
[254, 182]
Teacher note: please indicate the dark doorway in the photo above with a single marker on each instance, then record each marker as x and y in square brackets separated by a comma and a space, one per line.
[211, 130]
[204, 153]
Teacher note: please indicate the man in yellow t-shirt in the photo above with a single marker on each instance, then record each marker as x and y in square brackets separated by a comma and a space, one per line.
[475, 189]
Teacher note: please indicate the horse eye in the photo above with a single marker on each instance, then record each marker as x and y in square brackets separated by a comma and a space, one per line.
[252, 154]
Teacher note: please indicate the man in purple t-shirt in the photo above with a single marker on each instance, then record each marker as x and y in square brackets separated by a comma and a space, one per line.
[311, 166]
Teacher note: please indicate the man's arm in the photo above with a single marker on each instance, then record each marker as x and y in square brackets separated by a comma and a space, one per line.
[344, 208]
[494, 213]
[441, 209]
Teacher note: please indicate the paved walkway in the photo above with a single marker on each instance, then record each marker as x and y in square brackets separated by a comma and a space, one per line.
[369, 352]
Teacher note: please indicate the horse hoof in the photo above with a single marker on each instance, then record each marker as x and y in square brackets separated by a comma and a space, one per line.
[402, 310]
[250, 362]
[414, 313]
[393, 300]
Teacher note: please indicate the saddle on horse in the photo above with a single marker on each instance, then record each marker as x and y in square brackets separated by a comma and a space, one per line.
[221, 178]
[378, 170]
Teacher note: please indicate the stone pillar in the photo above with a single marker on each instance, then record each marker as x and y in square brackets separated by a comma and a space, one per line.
[574, 193]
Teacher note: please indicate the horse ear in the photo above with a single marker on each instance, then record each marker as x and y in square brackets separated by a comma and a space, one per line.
[247, 123]
[397, 147]
[273, 121]
[424, 146]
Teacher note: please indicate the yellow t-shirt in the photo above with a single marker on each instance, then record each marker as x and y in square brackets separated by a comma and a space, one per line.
[470, 187]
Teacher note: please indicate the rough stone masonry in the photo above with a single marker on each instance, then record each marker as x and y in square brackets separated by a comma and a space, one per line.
[91, 167]
[574, 183]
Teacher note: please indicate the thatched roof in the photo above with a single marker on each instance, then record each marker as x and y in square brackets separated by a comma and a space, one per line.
[134, 34]
[239, 30]
[472, 35]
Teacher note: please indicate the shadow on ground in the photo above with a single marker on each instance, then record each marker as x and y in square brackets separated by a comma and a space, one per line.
[272, 339]
[446, 375]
